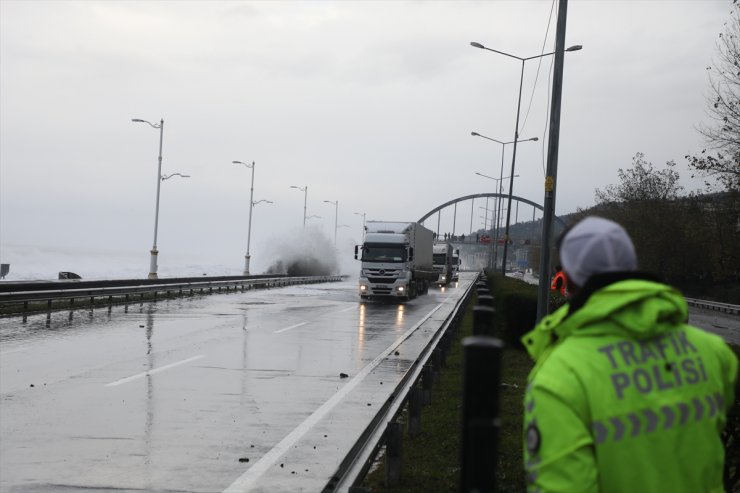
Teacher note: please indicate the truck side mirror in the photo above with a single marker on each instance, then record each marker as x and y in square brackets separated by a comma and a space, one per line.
[356, 251]
[411, 254]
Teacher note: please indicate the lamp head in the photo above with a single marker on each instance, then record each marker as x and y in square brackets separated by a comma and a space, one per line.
[574, 48]
[475, 134]
[534, 139]
[476, 45]
[137, 120]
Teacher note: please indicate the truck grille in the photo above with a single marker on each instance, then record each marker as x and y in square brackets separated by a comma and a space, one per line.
[382, 280]
[381, 290]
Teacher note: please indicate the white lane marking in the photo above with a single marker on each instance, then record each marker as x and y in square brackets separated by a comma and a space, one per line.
[348, 309]
[251, 475]
[152, 372]
[291, 327]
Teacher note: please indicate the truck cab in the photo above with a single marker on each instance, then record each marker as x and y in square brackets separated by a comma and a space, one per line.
[442, 262]
[396, 261]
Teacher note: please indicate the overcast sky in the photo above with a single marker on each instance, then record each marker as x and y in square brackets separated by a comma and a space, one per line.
[367, 103]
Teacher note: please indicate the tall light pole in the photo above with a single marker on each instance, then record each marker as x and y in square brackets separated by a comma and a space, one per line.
[154, 252]
[548, 212]
[336, 215]
[251, 204]
[516, 134]
[501, 174]
[305, 200]
[363, 224]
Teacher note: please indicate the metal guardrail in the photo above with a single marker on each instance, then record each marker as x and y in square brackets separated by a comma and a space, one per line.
[714, 305]
[355, 465]
[69, 292]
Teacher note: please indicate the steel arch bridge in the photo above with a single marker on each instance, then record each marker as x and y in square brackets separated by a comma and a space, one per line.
[483, 196]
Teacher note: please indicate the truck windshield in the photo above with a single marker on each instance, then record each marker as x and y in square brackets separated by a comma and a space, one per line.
[383, 253]
[439, 259]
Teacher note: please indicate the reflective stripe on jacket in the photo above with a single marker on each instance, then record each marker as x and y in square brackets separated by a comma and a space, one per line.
[625, 396]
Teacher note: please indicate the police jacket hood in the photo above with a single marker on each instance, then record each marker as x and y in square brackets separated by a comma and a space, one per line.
[634, 304]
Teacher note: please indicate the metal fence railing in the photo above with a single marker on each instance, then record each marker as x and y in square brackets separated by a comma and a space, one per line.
[26, 299]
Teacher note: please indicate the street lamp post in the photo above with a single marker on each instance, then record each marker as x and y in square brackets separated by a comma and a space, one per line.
[336, 215]
[305, 200]
[501, 177]
[251, 204]
[516, 134]
[154, 252]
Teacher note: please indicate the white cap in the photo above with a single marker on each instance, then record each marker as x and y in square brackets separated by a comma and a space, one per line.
[596, 245]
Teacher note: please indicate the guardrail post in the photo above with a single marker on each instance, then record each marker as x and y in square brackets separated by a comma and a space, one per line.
[436, 363]
[485, 299]
[480, 423]
[444, 347]
[393, 449]
[415, 410]
[427, 379]
[483, 320]
[71, 302]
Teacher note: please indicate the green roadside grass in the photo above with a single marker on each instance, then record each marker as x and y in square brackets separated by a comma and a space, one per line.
[431, 460]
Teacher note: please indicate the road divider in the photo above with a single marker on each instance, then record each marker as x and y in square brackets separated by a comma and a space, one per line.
[24, 298]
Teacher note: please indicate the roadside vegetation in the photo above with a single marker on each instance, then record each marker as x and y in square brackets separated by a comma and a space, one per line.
[431, 460]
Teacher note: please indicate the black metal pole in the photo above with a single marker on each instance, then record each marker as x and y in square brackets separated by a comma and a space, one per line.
[480, 423]
[552, 162]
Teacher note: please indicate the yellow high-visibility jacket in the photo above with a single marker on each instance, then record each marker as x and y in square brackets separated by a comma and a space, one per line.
[625, 396]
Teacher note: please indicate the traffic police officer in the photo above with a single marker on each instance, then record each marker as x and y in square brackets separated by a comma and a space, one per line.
[624, 395]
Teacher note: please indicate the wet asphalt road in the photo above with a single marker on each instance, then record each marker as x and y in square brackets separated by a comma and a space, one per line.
[232, 392]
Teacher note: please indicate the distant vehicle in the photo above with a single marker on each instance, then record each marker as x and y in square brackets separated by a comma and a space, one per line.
[485, 239]
[442, 260]
[455, 264]
[69, 275]
[396, 260]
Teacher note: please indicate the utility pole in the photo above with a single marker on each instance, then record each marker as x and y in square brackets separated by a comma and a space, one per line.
[552, 162]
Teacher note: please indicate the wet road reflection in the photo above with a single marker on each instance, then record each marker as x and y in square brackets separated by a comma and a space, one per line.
[189, 394]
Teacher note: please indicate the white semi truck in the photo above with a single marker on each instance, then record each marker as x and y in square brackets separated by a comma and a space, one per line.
[396, 260]
[442, 260]
[456, 264]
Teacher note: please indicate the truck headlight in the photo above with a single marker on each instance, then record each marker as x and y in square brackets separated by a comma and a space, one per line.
[363, 287]
[401, 289]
